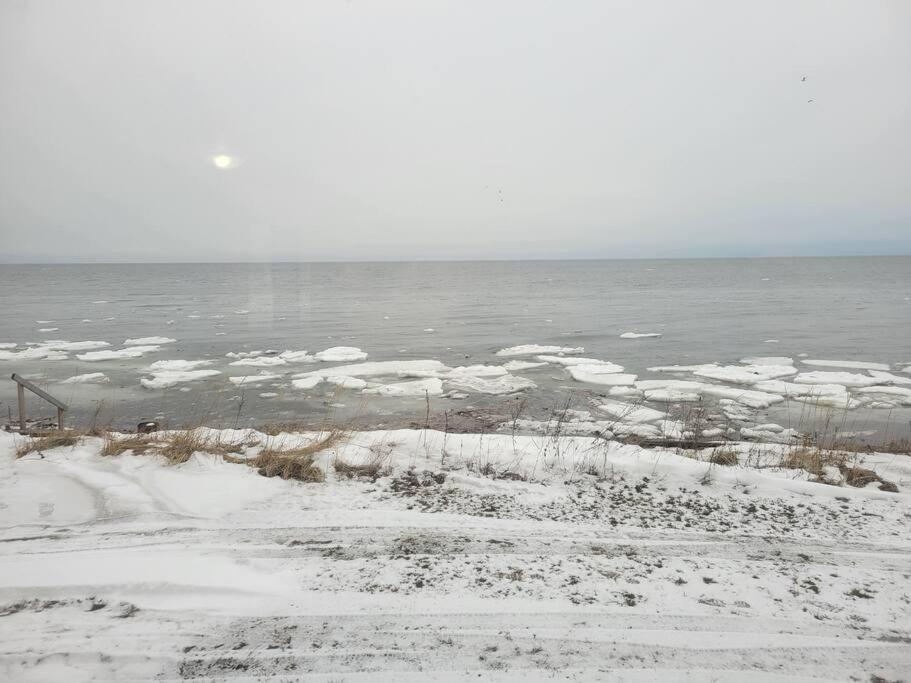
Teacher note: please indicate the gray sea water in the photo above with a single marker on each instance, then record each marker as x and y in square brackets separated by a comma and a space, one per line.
[717, 310]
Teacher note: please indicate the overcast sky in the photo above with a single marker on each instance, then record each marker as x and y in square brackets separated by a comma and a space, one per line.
[446, 130]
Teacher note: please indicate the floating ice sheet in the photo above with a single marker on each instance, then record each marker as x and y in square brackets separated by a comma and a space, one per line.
[532, 349]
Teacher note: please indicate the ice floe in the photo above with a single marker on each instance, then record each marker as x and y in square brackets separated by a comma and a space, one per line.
[639, 335]
[847, 379]
[506, 384]
[519, 365]
[251, 379]
[88, 378]
[298, 356]
[888, 377]
[687, 389]
[146, 341]
[681, 368]
[260, 361]
[48, 329]
[167, 373]
[608, 374]
[13, 345]
[388, 368]
[346, 382]
[431, 386]
[532, 349]
[851, 364]
[902, 393]
[745, 374]
[341, 354]
[628, 412]
[306, 382]
[570, 360]
[117, 354]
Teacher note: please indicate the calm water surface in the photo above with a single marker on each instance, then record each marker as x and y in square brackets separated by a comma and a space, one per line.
[706, 310]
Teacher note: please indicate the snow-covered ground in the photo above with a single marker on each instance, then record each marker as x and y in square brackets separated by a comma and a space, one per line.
[494, 556]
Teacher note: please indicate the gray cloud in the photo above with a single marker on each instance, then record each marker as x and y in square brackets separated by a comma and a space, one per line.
[402, 130]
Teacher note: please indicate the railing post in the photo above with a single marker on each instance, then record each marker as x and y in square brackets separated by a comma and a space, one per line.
[59, 418]
[21, 393]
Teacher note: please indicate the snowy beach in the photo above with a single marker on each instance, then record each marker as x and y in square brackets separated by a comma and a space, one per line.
[431, 556]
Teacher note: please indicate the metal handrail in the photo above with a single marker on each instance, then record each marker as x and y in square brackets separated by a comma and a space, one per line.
[23, 384]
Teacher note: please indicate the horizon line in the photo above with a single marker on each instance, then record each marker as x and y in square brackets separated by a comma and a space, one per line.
[450, 260]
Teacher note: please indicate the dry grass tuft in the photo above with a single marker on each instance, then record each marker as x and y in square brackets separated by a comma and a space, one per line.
[813, 460]
[294, 463]
[138, 444]
[860, 477]
[182, 445]
[176, 448]
[724, 456]
[371, 470]
[59, 439]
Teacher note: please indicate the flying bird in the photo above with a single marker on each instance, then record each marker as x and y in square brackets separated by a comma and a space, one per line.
[808, 101]
[803, 79]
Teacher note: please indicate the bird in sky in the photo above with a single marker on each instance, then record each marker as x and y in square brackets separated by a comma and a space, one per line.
[803, 79]
[808, 101]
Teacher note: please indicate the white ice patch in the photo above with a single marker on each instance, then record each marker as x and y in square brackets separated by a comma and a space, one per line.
[519, 365]
[770, 434]
[681, 368]
[297, 357]
[432, 386]
[532, 349]
[146, 341]
[903, 393]
[117, 354]
[341, 354]
[746, 374]
[608, 374]
[387, 368]
[639, 335]
[507, 384]
[345, 382]
[888, 377]
[177, 365]
[753, 399]
[54, 349]
[48, 329]
[848, 379]
[793, 390]
[33, 353]
[260, 361]
[250, 379]
[306, 382]
[167, 373]
[852, 364]
[476, 371]
[88, 378]
[573, 360]
[13, 345]
[627, 412]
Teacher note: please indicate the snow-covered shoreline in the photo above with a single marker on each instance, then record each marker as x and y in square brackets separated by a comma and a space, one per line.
[456, 555]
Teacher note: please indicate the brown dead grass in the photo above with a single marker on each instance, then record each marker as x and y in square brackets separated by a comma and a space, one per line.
[176, 448]
[58, 439]
[724, 456]
[813, 460]
[372, 470]
[137, 444]
[293, 463]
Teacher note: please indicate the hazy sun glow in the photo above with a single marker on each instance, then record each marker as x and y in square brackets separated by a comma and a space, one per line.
[222, 161]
